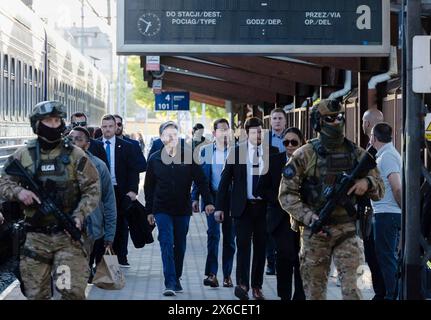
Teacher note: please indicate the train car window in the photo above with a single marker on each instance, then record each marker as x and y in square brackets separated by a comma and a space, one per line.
[55, 89]
[30, 86]
[50, 87]
[35, 86]
[26, 102]
[42, 86]
[62, 92]
[13, 108]
[74, 99]
[20, 105]
[6, 86]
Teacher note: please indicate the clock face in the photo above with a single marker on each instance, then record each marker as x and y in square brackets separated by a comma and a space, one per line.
[149, 24]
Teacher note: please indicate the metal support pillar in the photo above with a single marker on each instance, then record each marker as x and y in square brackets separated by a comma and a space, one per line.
[412, 264]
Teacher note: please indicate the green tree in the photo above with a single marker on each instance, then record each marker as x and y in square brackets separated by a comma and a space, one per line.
[143, 97]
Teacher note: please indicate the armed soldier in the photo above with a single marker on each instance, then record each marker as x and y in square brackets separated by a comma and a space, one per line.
[313, 171]
[66, 175]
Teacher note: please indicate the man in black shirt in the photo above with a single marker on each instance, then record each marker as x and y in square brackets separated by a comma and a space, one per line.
[168, 181]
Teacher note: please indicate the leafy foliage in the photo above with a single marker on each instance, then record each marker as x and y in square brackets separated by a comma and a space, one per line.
[143, 97]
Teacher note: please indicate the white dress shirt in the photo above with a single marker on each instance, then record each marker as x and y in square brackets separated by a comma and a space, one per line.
[112, 158]
[250, 152]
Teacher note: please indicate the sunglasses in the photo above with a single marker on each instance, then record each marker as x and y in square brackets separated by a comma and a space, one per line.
[333, 117]
[119, 124]
[76, 138]
[79, 124]
[293, 142]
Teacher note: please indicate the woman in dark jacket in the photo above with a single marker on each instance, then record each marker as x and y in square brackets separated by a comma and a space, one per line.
[278, 221]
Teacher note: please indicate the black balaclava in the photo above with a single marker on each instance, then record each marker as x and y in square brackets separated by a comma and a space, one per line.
[48, 137]
[332, 137]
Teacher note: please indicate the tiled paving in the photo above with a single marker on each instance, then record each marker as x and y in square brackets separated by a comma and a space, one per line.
[144, 280]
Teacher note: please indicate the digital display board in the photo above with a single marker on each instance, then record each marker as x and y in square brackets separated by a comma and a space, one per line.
[311, 27]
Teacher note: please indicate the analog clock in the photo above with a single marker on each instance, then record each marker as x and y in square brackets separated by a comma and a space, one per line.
[149, 24]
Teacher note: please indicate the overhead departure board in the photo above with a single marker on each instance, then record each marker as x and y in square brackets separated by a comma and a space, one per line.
[313, 27]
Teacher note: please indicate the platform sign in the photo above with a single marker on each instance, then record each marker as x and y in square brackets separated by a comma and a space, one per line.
[330, 27]
[172, 101]
[152, 63]
[157, 86]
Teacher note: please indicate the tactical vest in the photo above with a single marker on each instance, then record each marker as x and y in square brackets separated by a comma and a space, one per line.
[56, 172]
[323, 172]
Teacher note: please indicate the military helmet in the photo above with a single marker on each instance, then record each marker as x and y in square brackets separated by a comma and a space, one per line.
[44, 110]
[322, 108]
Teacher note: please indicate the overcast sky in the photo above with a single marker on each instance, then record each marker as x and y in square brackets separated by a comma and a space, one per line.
[64, 13]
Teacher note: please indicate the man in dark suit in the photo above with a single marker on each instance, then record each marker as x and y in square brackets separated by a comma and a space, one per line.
[79, 119]
[141, 163]
[245, 164]
[122, 165]
[278, 120]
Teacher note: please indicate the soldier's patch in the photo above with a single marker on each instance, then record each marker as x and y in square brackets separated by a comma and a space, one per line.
[81, 164]
[289, 171]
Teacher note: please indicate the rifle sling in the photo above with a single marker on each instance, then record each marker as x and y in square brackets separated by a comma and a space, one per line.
[344, 237]
[35, 256]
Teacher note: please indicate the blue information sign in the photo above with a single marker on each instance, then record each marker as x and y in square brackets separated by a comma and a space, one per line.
[172, 101]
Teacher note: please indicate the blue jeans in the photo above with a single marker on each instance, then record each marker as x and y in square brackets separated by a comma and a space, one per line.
[213, 232]
[172, 237]
[386, 237]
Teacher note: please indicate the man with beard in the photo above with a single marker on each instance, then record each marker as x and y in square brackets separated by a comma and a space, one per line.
[72, 182]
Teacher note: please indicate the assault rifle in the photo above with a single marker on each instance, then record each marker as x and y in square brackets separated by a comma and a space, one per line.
[337, 195]
[47, 205]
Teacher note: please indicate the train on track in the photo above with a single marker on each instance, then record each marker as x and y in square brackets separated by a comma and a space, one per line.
[37, 64]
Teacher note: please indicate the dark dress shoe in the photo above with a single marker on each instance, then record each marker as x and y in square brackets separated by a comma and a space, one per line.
[227, 282]
[92, 273]
[257, 294]
[299, 296]
[241, 293]
[211, 281]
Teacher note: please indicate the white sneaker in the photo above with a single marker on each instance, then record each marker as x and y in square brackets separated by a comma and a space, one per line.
[125, 265]
[169, 293]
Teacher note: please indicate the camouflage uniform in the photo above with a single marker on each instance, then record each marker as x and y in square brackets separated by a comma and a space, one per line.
[49, 251]
[316, 165]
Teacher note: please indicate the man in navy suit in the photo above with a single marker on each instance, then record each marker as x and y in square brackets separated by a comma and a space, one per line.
[79, 119]
[122, 165]
[141, 163]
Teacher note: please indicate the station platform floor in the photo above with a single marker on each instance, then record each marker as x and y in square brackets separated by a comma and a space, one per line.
[144, 279]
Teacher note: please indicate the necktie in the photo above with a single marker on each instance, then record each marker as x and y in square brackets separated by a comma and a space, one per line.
[255, 170]
[108, 152]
